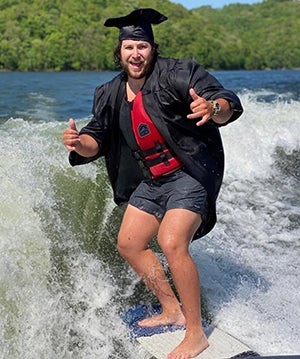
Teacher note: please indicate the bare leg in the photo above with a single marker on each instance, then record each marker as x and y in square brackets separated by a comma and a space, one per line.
[176, 230]
[137, 230]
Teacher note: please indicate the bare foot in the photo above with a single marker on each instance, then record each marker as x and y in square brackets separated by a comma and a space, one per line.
[173, 318]
[191, 346]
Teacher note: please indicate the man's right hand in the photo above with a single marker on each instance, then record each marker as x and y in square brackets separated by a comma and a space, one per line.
[71, 137]
[84, 145]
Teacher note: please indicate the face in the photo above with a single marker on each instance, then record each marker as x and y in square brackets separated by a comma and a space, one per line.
[136, 58]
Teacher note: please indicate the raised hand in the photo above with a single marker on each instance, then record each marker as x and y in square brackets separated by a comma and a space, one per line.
[200, 108]
[71, 137]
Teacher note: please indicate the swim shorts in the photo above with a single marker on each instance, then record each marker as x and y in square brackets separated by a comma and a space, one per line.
[175, 190]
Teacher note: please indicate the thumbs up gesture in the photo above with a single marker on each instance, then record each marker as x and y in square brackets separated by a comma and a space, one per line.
[71, 137]
[200, 108]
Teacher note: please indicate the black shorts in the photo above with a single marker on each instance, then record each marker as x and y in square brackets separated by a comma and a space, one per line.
[175, 190]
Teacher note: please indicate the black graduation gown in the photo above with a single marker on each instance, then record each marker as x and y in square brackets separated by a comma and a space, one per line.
[166, 99]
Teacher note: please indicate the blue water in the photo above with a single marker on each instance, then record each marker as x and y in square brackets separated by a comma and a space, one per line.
[48, 96]
[62, 283]
[39, 96]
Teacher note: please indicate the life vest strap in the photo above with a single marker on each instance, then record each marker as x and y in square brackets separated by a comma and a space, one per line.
[162, 157]
[159, 147]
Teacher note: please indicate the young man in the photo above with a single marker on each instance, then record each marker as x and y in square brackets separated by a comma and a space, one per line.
[157, 123]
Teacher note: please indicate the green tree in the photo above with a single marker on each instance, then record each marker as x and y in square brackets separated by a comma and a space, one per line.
[56, 35]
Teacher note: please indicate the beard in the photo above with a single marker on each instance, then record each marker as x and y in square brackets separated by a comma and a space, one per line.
[145, 69]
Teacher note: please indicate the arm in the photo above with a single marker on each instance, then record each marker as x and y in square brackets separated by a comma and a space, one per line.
[84, 145]
[204, 109]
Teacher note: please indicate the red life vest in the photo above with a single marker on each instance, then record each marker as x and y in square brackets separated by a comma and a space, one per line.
[154, 151]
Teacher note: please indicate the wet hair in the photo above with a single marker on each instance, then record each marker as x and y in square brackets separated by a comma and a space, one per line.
[117, 53]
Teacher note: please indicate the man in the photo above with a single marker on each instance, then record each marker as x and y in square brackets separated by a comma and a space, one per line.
[157, 123]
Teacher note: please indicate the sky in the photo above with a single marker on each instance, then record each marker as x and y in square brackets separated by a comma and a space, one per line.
[191, 4]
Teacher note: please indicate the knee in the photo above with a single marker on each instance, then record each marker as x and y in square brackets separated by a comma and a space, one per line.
[122, 246]
[126, 246]
[169, 247]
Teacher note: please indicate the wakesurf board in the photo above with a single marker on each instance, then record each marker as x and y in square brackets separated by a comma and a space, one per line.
[161, 340]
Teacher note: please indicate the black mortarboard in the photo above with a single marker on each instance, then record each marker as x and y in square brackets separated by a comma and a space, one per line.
[137, 25]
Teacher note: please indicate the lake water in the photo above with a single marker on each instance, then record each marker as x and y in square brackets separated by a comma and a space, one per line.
[62, 283]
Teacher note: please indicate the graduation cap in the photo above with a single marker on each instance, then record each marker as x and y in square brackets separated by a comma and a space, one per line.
[137, 25]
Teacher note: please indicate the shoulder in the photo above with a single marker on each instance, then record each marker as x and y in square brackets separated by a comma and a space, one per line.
[176, 74]
[179, 71]
[108, 91]
[173, 64]
[115, 81]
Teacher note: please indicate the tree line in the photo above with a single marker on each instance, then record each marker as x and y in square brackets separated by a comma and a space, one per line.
[68, 35]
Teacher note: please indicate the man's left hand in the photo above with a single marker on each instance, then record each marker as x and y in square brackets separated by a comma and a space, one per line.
[200, 108]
